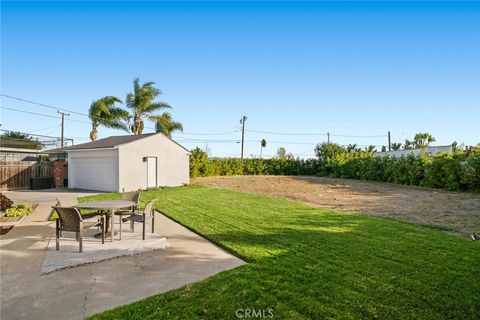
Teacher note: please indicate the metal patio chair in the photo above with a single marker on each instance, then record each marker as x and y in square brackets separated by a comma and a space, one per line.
[147, 214]
[70, 219]
[129, 196]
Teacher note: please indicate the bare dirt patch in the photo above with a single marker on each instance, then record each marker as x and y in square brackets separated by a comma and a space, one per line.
[454, 212]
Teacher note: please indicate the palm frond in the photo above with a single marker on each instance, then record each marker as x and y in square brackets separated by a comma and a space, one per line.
[165, 124]
[156, 106]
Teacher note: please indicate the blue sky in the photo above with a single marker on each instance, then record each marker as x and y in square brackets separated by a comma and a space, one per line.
[348, 68]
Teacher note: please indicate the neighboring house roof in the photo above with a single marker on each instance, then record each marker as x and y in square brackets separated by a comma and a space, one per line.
[18, 150]
[110, 142]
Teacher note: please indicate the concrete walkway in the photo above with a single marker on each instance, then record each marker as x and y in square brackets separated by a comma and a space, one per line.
[86, 290]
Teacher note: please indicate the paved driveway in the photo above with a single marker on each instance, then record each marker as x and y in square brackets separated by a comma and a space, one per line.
[45, 196]
[89, 289]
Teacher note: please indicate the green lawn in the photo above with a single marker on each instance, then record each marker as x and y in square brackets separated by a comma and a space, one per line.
[306, 262]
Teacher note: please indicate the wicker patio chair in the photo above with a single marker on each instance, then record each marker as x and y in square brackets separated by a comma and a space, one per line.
[129, 196]
[148, 213]
[70, 219]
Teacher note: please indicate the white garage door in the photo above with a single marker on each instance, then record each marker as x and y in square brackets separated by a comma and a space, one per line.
[93, 173]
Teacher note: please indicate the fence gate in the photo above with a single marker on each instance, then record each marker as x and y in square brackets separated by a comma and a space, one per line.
[16, 175]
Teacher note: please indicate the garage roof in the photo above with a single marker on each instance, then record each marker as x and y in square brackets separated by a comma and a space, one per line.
[110, 142]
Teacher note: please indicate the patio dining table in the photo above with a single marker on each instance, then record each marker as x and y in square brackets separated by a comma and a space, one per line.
[109, 207]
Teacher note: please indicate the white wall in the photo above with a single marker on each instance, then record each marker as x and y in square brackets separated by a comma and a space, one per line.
[415, 152]
[93, 169]
[172, 166]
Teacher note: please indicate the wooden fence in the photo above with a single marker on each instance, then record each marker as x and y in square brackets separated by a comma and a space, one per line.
[16, 175]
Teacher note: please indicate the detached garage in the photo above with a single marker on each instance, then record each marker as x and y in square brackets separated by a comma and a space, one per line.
[126, 163]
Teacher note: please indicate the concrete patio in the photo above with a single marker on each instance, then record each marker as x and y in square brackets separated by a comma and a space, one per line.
[86, 290]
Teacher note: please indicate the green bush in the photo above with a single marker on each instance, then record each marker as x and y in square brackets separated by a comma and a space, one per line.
[19, 210]
[456, 171]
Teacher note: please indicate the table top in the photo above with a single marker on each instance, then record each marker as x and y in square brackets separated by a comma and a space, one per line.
[106, 204]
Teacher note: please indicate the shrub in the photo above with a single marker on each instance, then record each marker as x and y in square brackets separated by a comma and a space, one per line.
[19, 210]
[456, 171]
[5, 202]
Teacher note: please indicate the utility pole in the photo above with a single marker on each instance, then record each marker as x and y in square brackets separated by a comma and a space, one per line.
[242, 121]
[389, 142]
[63, 122]
[328, 137]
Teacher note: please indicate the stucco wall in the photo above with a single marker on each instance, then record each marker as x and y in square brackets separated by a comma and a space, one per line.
[172, 166]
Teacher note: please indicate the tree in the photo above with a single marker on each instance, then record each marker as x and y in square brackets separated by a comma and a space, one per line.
[14, 139]
[370, 149]
[141, 103]
[103, 112]
[165, 124]
[384, 148]
[328, 150]
[263, 144]
[281, 153]
[407, 145]
[423, 140]
[396, 146]
[351, 148]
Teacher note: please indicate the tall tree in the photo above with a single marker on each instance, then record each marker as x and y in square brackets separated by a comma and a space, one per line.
[263, 144]
[352, 148]
[396, 146]
[423, 140]
[165, 124]
[281, 153]
[104, 112]
[407, 145]
[370, 149]
[141, 103]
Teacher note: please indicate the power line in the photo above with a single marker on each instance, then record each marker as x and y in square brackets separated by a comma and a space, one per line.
[42, 114]
[286, 142]
[315, 134]
[43, 129]
[349, 136]
[206, 134]
[42, 104]
[58, 108]
[35, 113]
[196, 142]
[287, 134]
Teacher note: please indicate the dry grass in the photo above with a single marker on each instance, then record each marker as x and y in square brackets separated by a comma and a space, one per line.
[453, 212]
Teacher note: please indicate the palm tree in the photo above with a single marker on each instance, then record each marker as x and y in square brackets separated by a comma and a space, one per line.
[407, 145]
[140, 101]
[423, 140]
[370, 149]
[263, 144]
[352, 148]
[165, 124]
[103, 112]
[396, 146]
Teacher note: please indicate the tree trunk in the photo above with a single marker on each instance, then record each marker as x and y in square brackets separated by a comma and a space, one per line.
[93, 133]
[136, 125]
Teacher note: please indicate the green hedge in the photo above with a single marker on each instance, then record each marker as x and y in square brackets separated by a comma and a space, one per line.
[456, 172]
